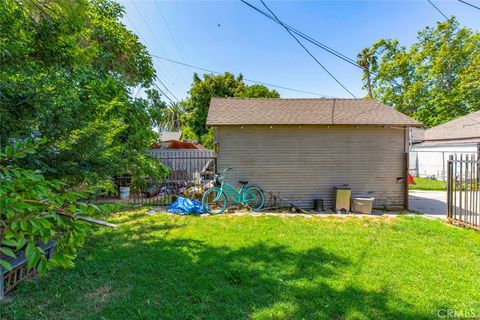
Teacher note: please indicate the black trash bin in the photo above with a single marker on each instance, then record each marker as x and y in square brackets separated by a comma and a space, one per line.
[318, 205]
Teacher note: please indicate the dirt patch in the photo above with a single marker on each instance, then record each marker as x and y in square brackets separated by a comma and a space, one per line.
[100, 296]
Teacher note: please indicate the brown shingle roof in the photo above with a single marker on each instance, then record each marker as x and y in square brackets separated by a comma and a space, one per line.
[418, 135]
[466, 127]
[235, 111]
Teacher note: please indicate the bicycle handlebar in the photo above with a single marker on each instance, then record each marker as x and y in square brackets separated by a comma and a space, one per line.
[220, 176]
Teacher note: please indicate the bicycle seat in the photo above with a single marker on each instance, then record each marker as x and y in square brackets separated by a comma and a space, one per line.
[243, 182]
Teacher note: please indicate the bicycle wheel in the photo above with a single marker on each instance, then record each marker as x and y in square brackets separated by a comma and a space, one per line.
[214, 201]
[254, 198]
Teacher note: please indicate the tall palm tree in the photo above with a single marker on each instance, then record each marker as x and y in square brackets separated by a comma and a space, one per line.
[171, 117]
[368, 61]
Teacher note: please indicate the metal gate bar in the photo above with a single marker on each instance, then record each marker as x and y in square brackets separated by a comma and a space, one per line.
[463, 205]
[179, 180]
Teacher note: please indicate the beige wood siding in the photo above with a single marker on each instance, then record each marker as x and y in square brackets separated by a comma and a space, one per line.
[303, 163]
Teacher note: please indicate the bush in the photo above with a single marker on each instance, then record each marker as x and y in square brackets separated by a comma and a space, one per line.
[34, 210]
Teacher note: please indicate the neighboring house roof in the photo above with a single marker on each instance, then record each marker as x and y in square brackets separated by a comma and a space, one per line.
[418, 135]
[175, 144]
[235, 111]
[466, 128]
[170, 135]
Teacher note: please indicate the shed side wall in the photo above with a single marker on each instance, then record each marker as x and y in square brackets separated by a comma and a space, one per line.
[304, 163]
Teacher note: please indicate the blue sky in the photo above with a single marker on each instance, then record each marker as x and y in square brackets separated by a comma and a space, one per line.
[229, 36]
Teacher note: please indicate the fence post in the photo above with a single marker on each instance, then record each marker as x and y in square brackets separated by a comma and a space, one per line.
[406, 190]
[465, 189]
[449, 188]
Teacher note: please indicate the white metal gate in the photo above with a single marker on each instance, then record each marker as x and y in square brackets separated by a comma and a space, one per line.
[463, 191]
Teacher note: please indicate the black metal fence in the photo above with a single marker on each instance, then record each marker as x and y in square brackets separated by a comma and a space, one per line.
[463, 191]
[190, 174]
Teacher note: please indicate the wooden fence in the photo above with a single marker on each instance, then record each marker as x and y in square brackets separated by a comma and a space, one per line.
[463, 191]
[183, 162]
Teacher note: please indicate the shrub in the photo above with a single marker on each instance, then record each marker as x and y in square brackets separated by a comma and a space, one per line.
[35, 210]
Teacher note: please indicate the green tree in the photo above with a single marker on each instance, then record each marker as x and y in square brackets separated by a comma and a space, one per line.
[68, 73]
[435, 79]
[34, 209]
[258, 91]
[202, 90]
[158, 108]
[171, 117]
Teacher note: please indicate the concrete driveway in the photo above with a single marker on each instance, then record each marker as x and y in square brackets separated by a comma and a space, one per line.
[430, 203]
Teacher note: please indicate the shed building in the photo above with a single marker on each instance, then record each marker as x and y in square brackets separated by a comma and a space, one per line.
[301, 148]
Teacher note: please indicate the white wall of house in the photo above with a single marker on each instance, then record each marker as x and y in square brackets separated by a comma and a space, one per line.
[430, 160]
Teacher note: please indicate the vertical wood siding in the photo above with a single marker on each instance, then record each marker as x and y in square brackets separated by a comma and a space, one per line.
[183, 162]
[304, 163]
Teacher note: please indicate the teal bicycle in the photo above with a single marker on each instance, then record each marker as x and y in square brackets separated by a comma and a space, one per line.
[215, 200]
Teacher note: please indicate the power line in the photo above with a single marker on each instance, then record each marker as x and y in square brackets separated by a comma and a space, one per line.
[318, 43]
[39, 6]
[166, 88]
[164, 94]
[149, 28]
[163, 68]
[248, 80]
[307, 37]
[207, 70]
[308, 51]
[153, 33]
[443, 14]
[469, 4]
[161, 64]
[169, 31]
[458, 29]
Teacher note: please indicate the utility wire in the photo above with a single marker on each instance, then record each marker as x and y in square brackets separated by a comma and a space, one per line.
[440, 11]
[247, 80]
[166, 88]
[163, 68]
[169, 31]
[318, 43]
[207, 70]
[469, 4]
[308, 51]
[149, 28]
[144, 40]
[306, 37]
[467, 116]
[39, 6]
[153, 33]
[159, 89]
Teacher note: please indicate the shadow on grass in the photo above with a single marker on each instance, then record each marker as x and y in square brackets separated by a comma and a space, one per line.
[141, 273]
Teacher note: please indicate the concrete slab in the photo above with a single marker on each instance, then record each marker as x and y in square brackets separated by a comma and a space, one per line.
[430, 203]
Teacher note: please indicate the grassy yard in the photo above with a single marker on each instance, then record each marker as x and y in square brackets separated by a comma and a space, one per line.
[238, 267]
[427, 184]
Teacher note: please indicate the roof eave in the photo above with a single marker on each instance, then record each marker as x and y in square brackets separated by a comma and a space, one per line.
[407, 125]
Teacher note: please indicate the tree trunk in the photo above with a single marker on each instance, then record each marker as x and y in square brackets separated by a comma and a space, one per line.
[369, 85]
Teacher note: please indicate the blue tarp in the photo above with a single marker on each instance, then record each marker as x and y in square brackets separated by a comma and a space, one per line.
[186, 206]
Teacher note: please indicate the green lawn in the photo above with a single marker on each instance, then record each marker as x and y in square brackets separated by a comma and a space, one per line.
[427, 184]
[240, 267]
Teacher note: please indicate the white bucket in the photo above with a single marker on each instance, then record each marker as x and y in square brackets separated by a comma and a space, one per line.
[124, 192]
[362, 204]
